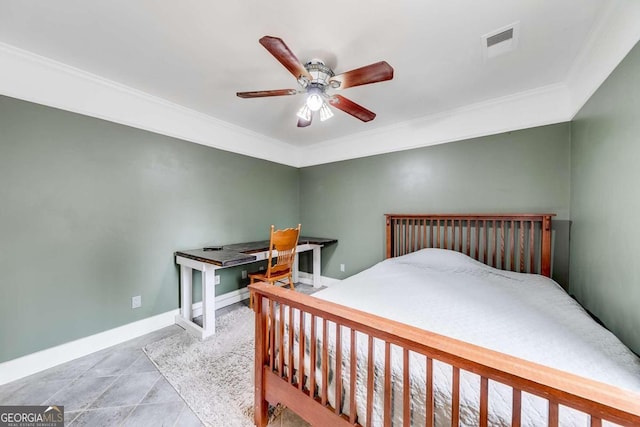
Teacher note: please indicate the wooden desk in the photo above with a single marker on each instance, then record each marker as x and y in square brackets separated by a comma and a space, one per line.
[235, 254]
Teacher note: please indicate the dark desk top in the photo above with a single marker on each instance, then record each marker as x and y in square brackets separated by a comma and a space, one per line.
[240, 253]
[263, 245]
[224, 258]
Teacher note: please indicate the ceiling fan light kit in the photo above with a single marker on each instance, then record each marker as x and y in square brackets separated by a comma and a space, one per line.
[314, 98]
[325, 112]
[304, 113]
[315, 78]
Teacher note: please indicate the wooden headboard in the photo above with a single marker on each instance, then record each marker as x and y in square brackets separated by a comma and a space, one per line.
[516, 242]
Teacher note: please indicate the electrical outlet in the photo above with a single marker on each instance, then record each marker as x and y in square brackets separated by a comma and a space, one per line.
[341, 267]
[217, 279]
[261, 268]
[136, 302]
[244, 274]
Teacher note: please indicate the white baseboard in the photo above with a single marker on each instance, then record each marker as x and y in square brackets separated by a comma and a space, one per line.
[307, 279]
[39, 361]
[50, 357]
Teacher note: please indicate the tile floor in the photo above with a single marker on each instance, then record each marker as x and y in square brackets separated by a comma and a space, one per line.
[117, 386]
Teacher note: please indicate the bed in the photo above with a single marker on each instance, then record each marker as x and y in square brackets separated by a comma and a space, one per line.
[460, 325]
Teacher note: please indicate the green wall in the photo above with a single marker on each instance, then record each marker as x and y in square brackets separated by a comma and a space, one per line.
[605, 202]
[91, 213]
[523, 171]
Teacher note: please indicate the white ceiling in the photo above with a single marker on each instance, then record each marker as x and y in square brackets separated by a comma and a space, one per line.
[197, 54]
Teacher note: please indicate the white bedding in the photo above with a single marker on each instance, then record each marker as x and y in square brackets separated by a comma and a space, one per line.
[524, 315]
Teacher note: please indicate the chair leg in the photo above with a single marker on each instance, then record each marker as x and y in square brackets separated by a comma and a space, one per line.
[291, 282]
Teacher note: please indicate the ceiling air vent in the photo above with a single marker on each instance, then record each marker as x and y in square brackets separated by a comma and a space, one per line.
[500, 41]
[500, 37]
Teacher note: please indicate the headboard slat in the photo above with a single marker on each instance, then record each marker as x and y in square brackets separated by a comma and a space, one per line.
[524, 239]
[521, 246]
[512, 265]
[532, 240]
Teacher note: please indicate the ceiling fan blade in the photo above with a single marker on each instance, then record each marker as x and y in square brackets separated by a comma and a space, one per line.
[263, 93]
[281, 52]
[350, 107]
[378, 72]
[302, 123]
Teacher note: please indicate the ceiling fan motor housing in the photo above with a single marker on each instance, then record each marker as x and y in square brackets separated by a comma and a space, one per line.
[320, 73]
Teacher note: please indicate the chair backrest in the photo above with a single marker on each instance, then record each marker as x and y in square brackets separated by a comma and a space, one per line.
[285, 242]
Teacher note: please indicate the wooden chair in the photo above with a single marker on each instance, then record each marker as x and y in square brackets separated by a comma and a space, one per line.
[284, 243]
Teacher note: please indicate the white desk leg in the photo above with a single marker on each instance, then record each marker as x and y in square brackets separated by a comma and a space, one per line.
[295, 268]
[316, 266]
[186, 288]
[208, 303]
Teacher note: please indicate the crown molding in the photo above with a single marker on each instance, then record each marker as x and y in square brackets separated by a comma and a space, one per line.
[609, 42]
[25, 75]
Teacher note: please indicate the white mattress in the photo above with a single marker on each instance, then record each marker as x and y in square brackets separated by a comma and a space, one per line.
[524, 315]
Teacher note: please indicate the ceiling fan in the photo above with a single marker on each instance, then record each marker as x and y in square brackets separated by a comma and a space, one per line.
[317, 80]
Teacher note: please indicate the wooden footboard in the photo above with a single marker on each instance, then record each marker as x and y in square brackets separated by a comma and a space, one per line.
[323, 392]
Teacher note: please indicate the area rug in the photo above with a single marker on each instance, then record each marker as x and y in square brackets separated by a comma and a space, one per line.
[214, 376]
